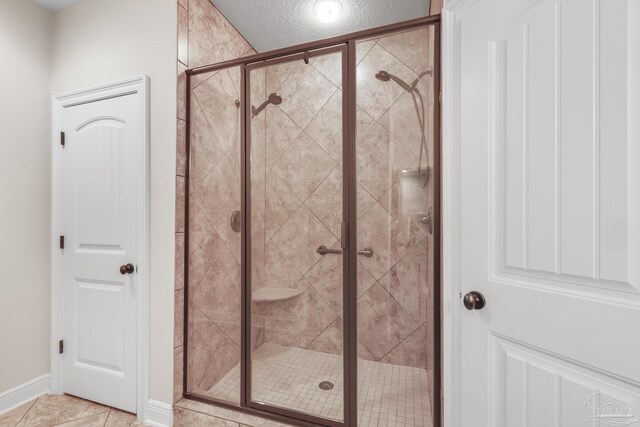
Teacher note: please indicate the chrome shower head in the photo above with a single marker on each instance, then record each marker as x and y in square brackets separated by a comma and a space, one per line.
[383, 75]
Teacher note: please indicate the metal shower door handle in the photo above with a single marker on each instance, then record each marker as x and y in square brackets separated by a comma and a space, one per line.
[368, 252]
[323, 250]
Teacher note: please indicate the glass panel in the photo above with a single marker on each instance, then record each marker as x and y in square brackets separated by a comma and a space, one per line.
[395, 208]
[214, 246]
[296, 208]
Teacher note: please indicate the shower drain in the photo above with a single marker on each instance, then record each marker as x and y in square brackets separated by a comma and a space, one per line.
[326, 385]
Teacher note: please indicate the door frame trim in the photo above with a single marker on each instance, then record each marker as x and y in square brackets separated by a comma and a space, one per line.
[139, 86]
[451, 212]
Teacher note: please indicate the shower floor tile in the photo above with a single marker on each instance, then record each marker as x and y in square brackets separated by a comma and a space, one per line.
[289, 377]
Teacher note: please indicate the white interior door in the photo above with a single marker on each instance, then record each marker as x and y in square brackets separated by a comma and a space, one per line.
[100, 198]
[549, 205]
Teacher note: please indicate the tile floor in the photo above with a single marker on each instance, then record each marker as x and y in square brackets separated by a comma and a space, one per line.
[190, 413]
[389, 395]
[68, 411]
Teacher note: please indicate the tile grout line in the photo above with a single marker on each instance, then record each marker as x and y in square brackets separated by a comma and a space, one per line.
[24, 416]
[107, 419]
[108, 410]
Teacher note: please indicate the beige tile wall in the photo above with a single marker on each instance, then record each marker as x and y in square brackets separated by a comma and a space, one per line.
[205, 37]
[303, 166]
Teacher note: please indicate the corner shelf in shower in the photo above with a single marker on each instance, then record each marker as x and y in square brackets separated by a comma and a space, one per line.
[269, 294]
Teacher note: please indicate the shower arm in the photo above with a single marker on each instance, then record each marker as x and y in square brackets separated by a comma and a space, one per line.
[255, 111]
[273, 98]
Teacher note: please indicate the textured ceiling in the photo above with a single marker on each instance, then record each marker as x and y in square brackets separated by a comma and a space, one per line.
[272, 24]
[56, 5]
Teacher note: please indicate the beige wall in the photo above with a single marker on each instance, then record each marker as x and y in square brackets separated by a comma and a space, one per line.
[101, 41]
[92, 43]
[25, 110]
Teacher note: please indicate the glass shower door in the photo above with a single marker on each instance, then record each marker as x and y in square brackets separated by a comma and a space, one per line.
[295, 263]
[397, 183]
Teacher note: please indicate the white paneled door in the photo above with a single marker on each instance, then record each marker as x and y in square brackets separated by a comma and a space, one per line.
[548, 139]
[100, 161]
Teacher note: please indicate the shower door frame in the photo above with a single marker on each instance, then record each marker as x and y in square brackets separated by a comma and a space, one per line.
[348, 194]
[346, 44]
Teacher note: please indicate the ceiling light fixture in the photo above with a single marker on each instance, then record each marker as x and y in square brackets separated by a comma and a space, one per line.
[328, 11]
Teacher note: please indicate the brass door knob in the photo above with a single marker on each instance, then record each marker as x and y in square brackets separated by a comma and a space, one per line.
[474, 300]
[127, 269]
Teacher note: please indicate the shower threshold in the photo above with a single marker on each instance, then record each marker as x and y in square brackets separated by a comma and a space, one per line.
[288, 377]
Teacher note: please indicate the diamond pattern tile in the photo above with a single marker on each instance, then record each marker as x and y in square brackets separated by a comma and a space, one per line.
[303, 166]
[326, 201]
[330, 66]
[277, 74]
[281, 203]
[327, 277]
[376, 96]
[412, 351]
[205, 150]
[326, 126]
[382, 322]
[204, 339]
[201, 243]
[218, 294]
[203, 49]
[380, 159]
[217, 98]
[374, 231]
[408, 283]
[410, 47]
[301, 236]
[279, 271]
[280, 133]
[219, 196]
[304, 93]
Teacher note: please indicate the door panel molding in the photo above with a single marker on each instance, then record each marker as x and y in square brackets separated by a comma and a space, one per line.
[138, 86]
[558, 200]
[538, 386]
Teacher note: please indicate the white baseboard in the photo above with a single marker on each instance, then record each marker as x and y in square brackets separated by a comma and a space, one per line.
[24, 393]
[158, 414]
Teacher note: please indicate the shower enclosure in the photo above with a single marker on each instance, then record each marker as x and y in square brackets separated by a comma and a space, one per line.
[312, 248]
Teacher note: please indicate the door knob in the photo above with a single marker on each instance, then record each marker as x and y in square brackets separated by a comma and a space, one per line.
[474, 300]
[127, 269]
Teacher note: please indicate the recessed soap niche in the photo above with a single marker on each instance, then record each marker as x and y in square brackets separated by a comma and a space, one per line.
[414, 196]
